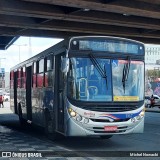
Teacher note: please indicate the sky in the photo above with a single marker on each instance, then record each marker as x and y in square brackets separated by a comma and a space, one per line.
[24, 48]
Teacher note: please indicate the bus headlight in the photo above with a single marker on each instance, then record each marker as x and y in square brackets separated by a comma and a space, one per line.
[72, 112]
[142, 113]
[139, 117]
[86, 120]
[78, 117]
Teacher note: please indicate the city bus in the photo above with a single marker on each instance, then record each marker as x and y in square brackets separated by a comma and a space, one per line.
[82, 86]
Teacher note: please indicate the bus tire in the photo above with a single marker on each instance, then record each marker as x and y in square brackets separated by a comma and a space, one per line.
[21, 119]
[49, 127]
[106, 137]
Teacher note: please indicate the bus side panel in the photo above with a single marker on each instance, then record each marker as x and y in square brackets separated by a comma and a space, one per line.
[37, 102]
[12, 100]
[23, 103]
[37, 106]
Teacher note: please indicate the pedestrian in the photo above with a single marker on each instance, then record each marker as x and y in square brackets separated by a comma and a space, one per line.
[152, 101]
[1, 100]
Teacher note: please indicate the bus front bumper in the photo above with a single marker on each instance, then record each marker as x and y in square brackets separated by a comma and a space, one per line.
[74, 128]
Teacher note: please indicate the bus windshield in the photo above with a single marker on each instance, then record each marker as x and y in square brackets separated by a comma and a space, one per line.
[86, 83]
[132, 88]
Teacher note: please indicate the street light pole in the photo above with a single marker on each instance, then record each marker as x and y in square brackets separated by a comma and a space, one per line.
[19, 49]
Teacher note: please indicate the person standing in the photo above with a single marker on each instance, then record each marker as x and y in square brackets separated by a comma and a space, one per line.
[152, 101]
[1, 101]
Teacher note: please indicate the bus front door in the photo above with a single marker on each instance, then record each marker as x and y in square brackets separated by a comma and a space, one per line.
[59, 99]
[29, 92]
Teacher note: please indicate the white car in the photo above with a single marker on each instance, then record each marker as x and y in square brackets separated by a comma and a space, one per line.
[157, 100]
[6, 97]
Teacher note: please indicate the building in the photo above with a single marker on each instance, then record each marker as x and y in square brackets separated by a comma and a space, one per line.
[152, 54]
[5, 82]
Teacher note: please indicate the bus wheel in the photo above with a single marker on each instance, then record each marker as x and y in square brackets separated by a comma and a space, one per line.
[49, 128]
[106, 137]
[21, 120]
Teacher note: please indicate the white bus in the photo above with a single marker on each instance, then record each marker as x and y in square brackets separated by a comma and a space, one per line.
[84, 86]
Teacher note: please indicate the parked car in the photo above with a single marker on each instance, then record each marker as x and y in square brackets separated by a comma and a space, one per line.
[6, 97]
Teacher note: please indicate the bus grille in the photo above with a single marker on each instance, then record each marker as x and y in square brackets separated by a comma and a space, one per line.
[111, 108]
[106, 120]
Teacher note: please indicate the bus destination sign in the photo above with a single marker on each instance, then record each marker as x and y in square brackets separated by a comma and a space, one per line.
[109, 46]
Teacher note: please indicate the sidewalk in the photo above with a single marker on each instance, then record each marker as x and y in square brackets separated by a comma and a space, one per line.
[6, 109]
[6, 115]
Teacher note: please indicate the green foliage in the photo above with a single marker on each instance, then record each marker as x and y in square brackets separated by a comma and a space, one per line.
[153, 73]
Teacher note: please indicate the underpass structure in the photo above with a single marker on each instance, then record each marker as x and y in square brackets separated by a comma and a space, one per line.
[137, 19]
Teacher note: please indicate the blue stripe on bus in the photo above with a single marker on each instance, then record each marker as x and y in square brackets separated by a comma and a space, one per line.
[120, 116]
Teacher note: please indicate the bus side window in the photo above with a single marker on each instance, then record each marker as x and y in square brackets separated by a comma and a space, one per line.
[19, 78]
[40, 73]
[61, 76]
[23, 77]
[11, 79]
[48, 79]
[34, 76]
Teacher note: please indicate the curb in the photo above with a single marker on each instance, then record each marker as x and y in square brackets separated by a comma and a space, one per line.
[155, 111]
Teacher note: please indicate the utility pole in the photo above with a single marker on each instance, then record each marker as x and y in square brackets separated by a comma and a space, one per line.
[19, 49]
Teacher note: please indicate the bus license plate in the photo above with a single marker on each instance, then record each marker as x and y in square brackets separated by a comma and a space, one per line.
[110, 128]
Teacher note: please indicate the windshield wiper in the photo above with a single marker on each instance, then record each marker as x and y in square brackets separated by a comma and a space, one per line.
[99, 68]
[126, 69]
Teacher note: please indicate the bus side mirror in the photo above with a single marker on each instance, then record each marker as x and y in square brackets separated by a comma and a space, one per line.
[65, 65]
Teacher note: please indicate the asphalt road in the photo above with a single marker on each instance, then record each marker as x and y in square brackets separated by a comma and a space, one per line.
[148, 141]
